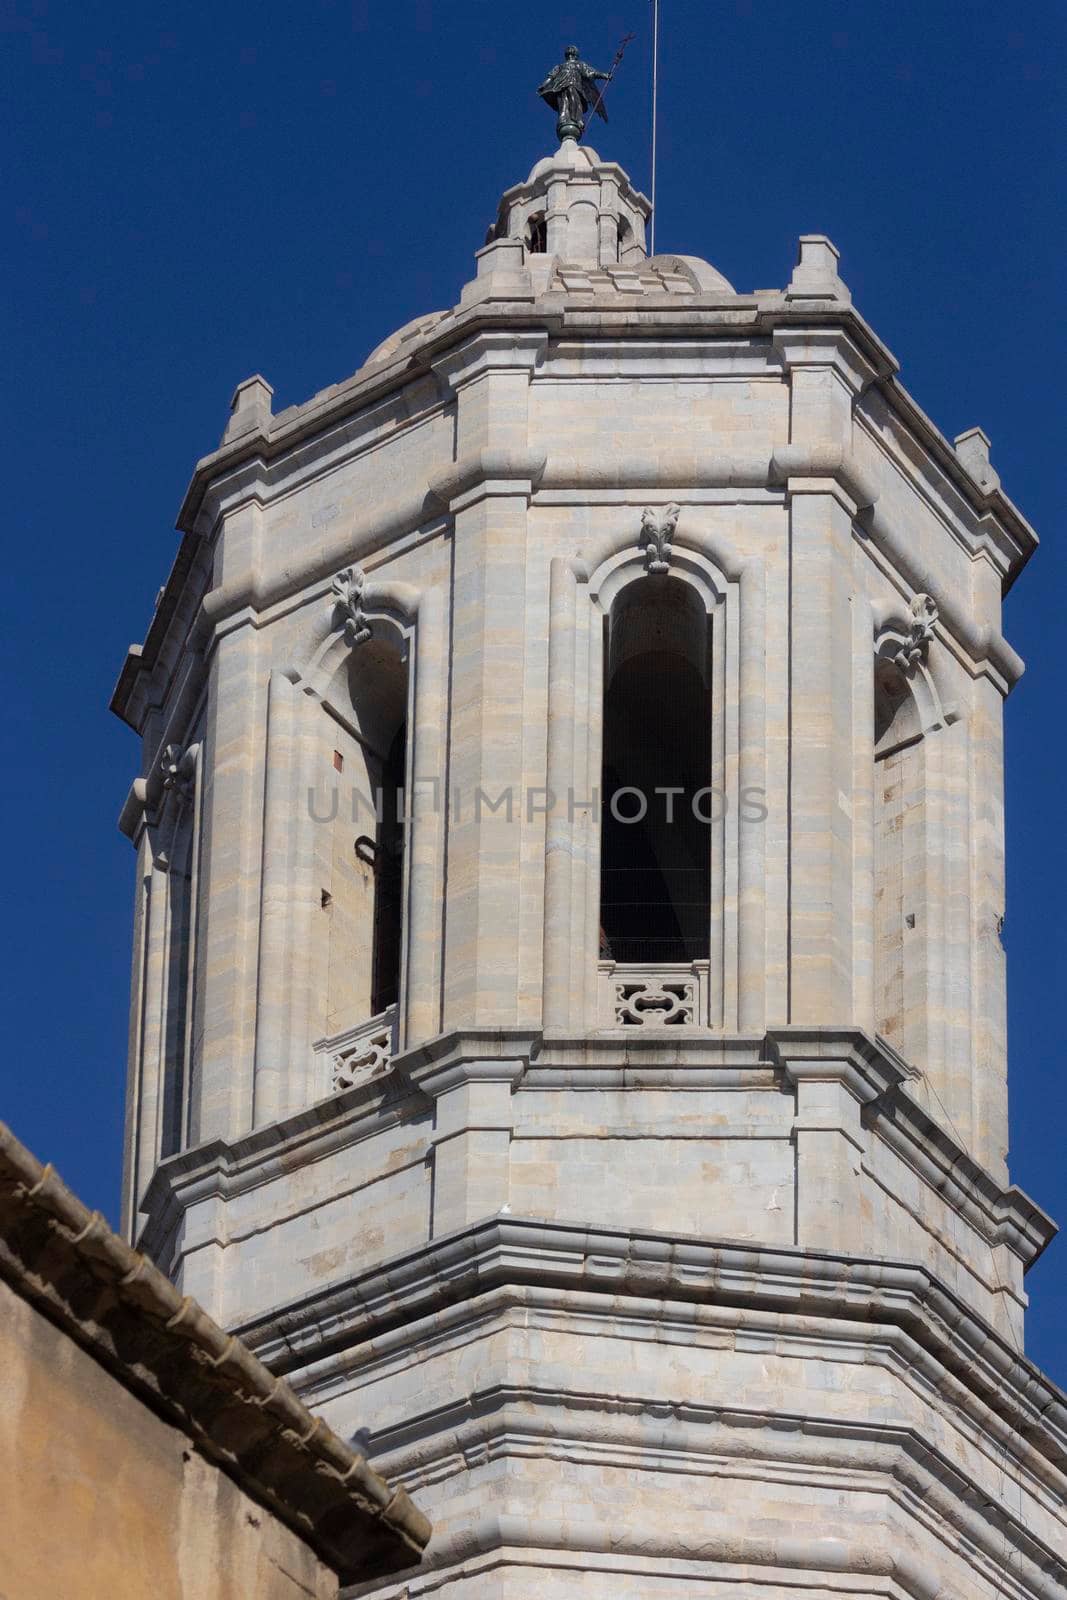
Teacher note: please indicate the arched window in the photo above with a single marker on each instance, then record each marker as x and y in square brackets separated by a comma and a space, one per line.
[656, 800]
[537, 234]
[900, 934]
[389, 877]
[179, 936]
[360, 852]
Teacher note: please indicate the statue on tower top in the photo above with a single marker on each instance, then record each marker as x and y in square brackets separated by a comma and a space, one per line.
[570, 89]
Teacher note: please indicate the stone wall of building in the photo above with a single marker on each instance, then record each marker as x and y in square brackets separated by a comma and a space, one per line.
[102, 1497]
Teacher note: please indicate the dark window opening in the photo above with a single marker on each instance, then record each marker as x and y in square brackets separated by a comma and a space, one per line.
[655, 870]
[388, 879]
[180, 941]
[537, 234]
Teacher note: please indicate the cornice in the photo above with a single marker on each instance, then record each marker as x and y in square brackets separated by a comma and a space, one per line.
[629, 1265]
[640, 317]
[527, 472]
[466, 341]
[616, 1059]
[64, 1260]
[880, 1081]
[501, 1420]
[141, 659]
[224, 1168]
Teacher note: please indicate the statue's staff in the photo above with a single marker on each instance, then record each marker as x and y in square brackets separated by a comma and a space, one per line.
[598, 105]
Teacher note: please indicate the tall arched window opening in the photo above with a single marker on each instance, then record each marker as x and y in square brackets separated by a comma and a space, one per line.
[899, 862]
[361, 851]
[389, 877]
[176, 1004]
[657, 804]
[537, 234]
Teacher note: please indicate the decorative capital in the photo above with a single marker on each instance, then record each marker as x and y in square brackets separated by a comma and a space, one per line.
[347, 603]
[657, 531]
[922, 615]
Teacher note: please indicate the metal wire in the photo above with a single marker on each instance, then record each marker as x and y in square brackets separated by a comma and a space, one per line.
[655, 89]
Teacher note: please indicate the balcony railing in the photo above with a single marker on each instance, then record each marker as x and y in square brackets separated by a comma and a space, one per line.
[651, 995]
[359, 1054]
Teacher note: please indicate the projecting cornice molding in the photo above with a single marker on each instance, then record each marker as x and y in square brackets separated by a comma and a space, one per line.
[483, 336]
[527, 472]
[254, 464]
[624, 1058]
[661, 1268]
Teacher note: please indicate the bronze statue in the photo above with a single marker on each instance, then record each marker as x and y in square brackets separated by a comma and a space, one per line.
[570, 89]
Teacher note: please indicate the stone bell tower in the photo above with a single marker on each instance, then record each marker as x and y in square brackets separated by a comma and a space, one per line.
[568, 1018]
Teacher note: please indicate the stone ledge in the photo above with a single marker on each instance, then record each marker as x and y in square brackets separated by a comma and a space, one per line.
[254, 459]
[644, 1433]
[631, 1059]
[757, 318]
[668, 1268]
[162, 1346]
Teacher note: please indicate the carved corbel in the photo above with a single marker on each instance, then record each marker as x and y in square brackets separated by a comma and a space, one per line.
[657, 531]
[922, 615]
[903, 635]
[178, 769]
[347, 604]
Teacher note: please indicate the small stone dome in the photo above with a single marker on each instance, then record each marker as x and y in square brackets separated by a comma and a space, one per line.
[576, 207]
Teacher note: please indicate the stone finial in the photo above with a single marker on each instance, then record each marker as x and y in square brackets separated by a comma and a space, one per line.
[657, 531]
[972, 448]
[815, 274]
[250, 408]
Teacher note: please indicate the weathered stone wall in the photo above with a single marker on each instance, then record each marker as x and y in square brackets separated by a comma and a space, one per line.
[101, 1497]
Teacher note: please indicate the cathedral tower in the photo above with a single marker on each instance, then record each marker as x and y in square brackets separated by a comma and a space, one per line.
[568, 1022]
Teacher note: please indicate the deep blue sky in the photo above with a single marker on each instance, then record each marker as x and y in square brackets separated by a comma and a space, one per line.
[197, 192]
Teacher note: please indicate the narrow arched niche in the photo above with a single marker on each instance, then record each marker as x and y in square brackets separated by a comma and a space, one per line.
[900, 866]
[359, 851]
[177, 994]
[655, 869]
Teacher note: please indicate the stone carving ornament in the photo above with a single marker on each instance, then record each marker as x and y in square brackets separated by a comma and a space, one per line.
[178, 767]
[922, 615]
[365, 1060]
[347, 591]
[656, 1003]
[657, 531]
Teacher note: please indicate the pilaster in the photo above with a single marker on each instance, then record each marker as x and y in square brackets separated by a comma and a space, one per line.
[470, 1147]
[490, 378]
[834, 1073]
[826, 372]
[230, 892]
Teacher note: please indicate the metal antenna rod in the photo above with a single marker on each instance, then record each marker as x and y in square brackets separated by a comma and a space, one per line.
[655, 86]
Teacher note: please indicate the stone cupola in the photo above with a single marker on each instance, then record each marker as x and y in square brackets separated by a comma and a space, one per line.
[576, 207]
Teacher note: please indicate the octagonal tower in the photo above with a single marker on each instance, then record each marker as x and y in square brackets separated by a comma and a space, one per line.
[568, 1022]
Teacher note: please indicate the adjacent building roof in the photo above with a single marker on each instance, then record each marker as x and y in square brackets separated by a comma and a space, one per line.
[163, 1347]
